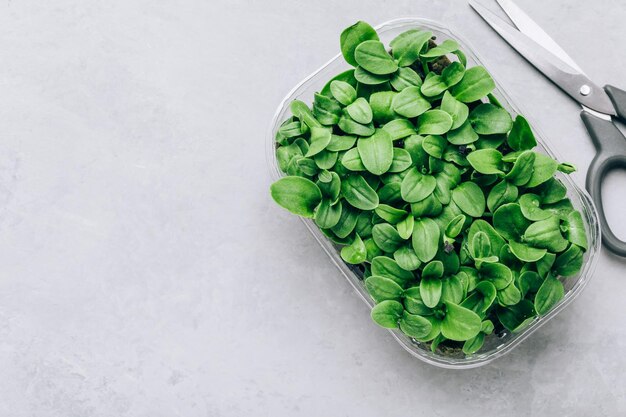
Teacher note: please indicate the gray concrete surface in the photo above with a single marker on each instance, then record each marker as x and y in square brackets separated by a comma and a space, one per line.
[144, 269]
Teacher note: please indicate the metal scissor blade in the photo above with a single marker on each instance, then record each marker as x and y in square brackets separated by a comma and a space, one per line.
[531, 29]
[571, 81]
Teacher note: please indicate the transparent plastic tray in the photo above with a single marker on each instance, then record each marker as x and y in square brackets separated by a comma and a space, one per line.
[495, 345]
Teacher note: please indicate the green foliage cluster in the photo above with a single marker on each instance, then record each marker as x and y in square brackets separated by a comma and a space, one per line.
[410, 164]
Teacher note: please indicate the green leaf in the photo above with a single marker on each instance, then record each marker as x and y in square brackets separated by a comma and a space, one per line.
[529, 204]
[327, 215]
[433, 85]
[501, 193]
[376, 152]
[487, 119]
[410, 102]
[455, 226]
[566, 167]
[358, 193]
[453, 73]
[320, 138]
[416, 186]
[496, 241]
[300, 110]
[413, 302]
[352, 37]
[407, 259]
[387, 314]
[360, 111]
[544, 265]
[551, 191]
[522, 170]
[407, 46]
[515, 317]
[469, 198]
[575, 231]
[389, 268]
[351, 127]
[509, 221]
[340, 143]
[326, 109]
[549, 294]
[510, 295]
[456, 109]
[297, 195]
[351, 160]
[486, 161]
[372, 250]
[386, 237]
[434, 145]
[430, 290]
[380, 102]
[307, 166]
[569, 262]
[390, 214]
[434, 122]
[460, 323]
[343, 92]
[346, 76]
[381, 289]
[415, 326]
[390, 193]
[452, 289]
[546, 234]
[544, 168]
[399, 128]
[347, 221]
[373, 57]
[325, 159]
[529, 281]
[476, 84]
[526, 253]
[365, 77]
[425, 239]
[481, 246]
[405, 227]
[405, 77]
[463, 135]
[498, 274]
[446, 47]
[401, 160]
[482, 298]
[474, 344]
[521, 136]
[290, 130]
[355, 253]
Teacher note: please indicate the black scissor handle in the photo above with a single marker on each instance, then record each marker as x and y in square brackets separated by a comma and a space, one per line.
[611, 154]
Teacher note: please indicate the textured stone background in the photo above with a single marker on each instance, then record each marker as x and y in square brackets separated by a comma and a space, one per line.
[145, 271]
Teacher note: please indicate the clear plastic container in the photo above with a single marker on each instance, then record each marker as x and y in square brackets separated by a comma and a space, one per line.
[495, 346]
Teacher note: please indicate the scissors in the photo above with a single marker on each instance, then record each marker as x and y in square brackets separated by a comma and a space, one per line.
[600, 105]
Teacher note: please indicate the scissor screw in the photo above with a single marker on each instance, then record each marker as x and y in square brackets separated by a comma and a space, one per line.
[585, 90]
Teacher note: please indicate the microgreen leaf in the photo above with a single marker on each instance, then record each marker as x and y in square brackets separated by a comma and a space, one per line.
[376, 152]
[460, 323]
[425, 239]
[354, 253]
[352, 37]
[549, 294]
[373, 57]
[407, 46]
[486, 161]
[296, 194]
[487, 119]
[476, 84]
[387, 313]
[381, 288]
[410, 102]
